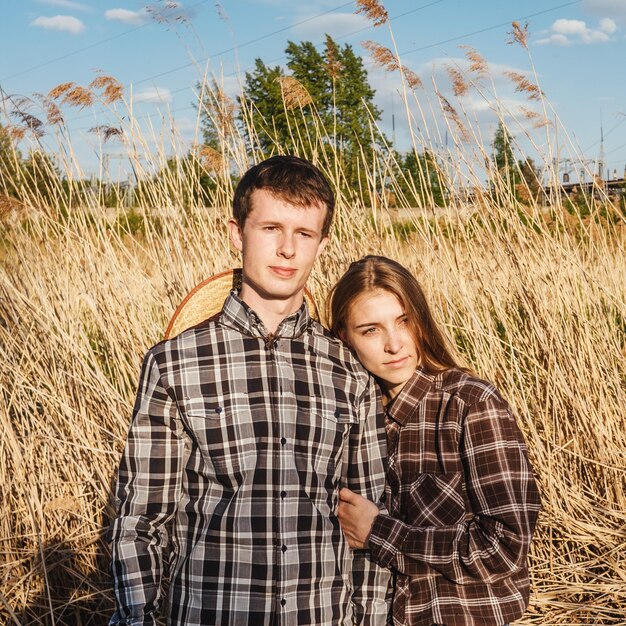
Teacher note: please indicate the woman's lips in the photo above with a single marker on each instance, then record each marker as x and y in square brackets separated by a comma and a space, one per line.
[396, 363]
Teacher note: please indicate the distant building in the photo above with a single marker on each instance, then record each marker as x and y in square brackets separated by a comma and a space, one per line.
[615, 189]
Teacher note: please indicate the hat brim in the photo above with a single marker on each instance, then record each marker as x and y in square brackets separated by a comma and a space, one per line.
[207, 298]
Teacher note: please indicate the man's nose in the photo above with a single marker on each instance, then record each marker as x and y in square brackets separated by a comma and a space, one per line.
[286, 246]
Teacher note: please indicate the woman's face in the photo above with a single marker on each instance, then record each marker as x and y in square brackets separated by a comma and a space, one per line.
[378, 331]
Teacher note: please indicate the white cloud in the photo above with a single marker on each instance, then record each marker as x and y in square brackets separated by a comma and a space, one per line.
[608, 25]
[569, 27]
[564, 32]
[558, 40]
[159, 95]
[65, 23]
[126, 16]
[66, 4]
[595, 36]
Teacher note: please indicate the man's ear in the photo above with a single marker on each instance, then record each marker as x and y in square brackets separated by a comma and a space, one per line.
[321, 246]
[235, 233]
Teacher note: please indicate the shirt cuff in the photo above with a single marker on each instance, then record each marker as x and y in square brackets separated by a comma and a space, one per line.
[385, 540]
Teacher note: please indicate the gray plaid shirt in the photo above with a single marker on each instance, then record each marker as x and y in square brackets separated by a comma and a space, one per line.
[238, 446]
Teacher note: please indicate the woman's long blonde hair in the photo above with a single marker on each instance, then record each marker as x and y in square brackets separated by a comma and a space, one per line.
[377, 272]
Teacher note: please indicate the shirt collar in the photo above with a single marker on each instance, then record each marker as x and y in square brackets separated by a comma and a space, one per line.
[403, 405]
[238, 315]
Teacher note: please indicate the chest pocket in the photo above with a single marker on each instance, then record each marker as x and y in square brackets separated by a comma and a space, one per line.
[436, 500]
[222, 428]
[322, 443]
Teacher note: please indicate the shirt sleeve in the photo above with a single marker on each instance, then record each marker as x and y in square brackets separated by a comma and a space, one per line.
[148, 489]
[366, 476]
[492, 540]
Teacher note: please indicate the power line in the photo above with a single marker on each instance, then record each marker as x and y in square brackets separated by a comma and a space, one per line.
[247, 43]
[608, 132]
[143, 80]
[96, 44]
[484, 30]
[369, 27]
[456, 38]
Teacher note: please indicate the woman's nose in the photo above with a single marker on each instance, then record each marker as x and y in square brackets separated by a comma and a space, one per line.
[393, 343]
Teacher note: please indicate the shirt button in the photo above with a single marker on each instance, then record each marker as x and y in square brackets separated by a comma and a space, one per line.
[283, 602]
[283, 494]
[284, 548]
[337, 413]
[283, 441]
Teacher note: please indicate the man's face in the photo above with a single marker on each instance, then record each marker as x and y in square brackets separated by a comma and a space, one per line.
[279, 244]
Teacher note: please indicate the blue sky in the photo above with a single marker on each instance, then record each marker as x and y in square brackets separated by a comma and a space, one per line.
[159, 50]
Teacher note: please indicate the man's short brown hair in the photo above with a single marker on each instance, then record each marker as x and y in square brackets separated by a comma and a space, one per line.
[289, 178]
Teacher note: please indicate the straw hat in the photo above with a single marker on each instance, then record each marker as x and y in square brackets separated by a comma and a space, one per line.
[207, 298]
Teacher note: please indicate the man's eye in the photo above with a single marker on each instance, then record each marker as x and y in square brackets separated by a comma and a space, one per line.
[306, 235]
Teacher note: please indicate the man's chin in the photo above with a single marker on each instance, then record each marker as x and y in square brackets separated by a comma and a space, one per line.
[274, 293]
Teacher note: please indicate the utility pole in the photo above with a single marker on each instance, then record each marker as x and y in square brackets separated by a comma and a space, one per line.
[109, 184]
[601, 155]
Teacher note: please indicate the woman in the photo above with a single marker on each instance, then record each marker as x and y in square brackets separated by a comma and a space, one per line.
[461, 495]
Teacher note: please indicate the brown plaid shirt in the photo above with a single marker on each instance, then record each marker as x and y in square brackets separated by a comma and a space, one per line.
[462, 501]
[238, 446]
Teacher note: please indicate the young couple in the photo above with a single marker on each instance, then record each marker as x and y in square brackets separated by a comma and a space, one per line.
[256, 454]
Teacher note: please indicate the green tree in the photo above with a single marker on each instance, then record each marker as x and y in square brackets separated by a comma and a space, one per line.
[530, 189]
[217, 115]
[44, 180]
[509, 176]
[262, 110]
[185, 181]
[420, 180]
[11, 165]
[354, 106]
[322, 100]
[308, 66]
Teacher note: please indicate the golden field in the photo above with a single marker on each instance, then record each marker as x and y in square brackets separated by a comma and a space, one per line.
[532, 295]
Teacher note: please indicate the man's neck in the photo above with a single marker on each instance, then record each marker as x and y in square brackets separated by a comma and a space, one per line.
[270, 312]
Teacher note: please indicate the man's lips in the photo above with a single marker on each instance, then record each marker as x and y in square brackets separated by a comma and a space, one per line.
[283, 272]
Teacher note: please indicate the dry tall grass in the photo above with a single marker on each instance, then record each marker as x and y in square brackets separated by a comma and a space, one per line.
[534, 298]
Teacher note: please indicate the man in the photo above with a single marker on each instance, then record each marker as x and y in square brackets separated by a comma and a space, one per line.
[244, 430]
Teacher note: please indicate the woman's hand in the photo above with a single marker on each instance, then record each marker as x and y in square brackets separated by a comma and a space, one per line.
[356, 515]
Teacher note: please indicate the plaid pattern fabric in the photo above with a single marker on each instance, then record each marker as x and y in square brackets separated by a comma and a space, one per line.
[463, 504]
[238, 446]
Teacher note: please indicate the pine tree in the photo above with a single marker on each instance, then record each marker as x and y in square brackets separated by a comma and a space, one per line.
[504, 158]
[324, 94]
[420, 180]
